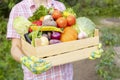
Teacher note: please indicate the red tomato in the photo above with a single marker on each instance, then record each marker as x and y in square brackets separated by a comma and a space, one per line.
[71, 20]
[38, 22]
[30, 30]
[56, 14]
[61, 22]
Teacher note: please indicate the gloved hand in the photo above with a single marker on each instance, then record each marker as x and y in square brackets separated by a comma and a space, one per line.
[97, 53]
[35, 65]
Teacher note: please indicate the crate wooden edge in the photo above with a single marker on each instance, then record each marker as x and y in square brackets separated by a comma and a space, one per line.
[28, 49]
[41, 51]
[68, 57]
[66, 46]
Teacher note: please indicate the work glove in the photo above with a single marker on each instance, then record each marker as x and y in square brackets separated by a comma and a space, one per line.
[97, 54]
[35, 65]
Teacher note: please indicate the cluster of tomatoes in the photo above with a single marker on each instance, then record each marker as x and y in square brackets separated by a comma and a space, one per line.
[63, 21]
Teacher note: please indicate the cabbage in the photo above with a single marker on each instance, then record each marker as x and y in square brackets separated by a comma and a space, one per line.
[86, 25]
[21, 25]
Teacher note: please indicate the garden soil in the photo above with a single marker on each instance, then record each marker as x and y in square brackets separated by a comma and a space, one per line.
[85, 70]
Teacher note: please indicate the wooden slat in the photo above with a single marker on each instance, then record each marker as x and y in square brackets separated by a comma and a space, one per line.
[59, 48]
[28, 49]
[96, 32]
[71, 56]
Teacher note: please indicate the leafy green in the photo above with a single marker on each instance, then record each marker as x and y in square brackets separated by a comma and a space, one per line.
[86, 25]
[69, 11]
[41, 11]
[21, 25]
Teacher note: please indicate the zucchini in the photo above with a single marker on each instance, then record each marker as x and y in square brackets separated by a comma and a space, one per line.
[26, 35]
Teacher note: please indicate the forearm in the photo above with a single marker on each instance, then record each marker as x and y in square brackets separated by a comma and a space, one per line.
[16, 53]
[16, 50]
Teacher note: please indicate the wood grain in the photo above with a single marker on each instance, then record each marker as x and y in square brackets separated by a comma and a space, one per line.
[71, 56]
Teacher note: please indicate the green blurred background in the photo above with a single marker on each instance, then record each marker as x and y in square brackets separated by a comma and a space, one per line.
[96, 10]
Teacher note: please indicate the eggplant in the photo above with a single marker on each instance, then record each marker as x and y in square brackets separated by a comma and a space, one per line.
[26, 35]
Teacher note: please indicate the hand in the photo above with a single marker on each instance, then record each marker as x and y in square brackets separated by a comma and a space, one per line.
[98, 53]
[36, 65]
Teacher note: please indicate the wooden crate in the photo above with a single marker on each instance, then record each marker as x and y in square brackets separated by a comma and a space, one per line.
[64, 52]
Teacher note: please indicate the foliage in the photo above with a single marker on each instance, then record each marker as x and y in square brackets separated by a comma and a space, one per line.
[109, 37]
[41, 11]
[4, 10]
[106, 64]
[9, 69]
[94, 7]
[106, 67]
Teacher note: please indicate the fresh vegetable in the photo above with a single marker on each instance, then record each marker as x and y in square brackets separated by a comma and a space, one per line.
[38, 22]
[34, 27]
[30, 35]
[21, 25]
[41, 18]
[30, 30]
[56, 14]
[26, 35]
[49, 22]
[69, 11]
[75, 26]
[55, 35]
[82, 35]
[51, 10]
[50, 28]
[48, 17]
[49, 35]
[69, 34]
[61, 22]
[34, 36]
[42, 41]
[71, 20]
[86, 25]
[54, 41]
[40, 12]
[45, 35]
[47, 28]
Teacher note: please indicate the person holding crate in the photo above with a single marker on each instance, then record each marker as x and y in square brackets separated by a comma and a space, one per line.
[30, 65]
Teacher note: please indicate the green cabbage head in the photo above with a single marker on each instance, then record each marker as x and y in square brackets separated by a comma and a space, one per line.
[21, 25]
[86, 25]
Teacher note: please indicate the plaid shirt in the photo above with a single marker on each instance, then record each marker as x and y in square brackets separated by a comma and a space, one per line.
[26, 8]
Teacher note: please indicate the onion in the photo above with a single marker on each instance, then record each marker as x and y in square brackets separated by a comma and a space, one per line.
[54, 41]
[44, 34]
[42, 41]
[55, 35]
[82, 35]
